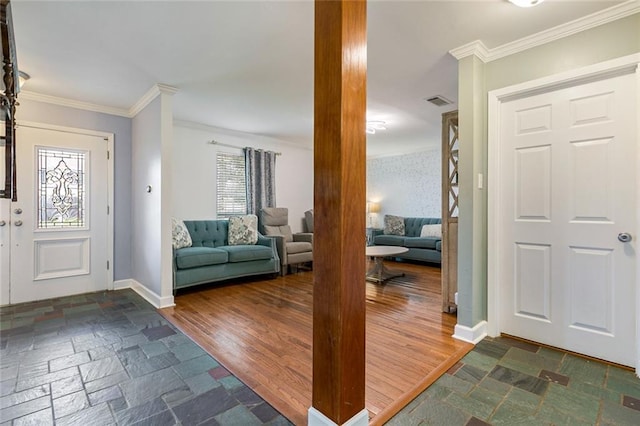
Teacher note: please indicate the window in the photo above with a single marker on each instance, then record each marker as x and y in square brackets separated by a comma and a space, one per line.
[231, 199]
[61, 188]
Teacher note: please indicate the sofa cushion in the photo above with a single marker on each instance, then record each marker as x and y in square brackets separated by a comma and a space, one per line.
[193, 257]
[393, 225]
[439, 246]
[421, 242]
[244, 253]
[179, 234]
[243, 230]
[299, 247]
[389, 240]
[208, 233]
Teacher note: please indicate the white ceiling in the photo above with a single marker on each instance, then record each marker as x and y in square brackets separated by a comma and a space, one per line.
[248, 65]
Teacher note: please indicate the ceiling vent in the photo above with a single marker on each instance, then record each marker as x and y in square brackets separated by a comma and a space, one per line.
[439, 101]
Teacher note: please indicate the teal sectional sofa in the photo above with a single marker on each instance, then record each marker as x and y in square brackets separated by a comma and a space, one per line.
[210, 257]
[425, 249]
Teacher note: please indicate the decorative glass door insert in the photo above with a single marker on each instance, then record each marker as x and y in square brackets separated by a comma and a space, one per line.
[61, 188]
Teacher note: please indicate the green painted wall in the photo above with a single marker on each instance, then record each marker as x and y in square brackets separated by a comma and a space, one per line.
[476, 79]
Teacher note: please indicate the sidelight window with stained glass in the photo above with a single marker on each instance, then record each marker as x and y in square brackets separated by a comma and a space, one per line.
[61, 188]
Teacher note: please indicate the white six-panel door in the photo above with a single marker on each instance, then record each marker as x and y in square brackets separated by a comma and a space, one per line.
[59, 227]
[568, 190]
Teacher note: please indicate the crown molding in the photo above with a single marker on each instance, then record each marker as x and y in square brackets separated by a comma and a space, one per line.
[148, 97]
[476, 48]
[145, 100]
[72, 103]
[596, 19]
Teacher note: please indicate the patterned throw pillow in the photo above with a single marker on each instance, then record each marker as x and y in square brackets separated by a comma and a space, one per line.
[243, 230]
[393, 225]
[434, 231]
[179, 234]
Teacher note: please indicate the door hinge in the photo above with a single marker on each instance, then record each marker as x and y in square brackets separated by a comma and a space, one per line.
[107, 265]
[108, 210]
[108, 155]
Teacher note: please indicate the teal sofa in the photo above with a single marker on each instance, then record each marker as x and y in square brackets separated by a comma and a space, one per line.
[424, 249]
[211, 259]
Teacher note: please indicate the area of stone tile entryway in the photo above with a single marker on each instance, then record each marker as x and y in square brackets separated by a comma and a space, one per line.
[504, 381]
[109, 358]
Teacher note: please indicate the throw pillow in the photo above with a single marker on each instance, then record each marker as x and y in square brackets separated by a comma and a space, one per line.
[393, 225]
[434, 230]
[180, 234]
[243, 230]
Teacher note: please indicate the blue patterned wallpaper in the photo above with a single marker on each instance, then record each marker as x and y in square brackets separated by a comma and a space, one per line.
[408, 185]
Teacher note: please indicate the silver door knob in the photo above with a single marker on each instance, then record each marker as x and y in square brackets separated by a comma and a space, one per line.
[2, 223]
[17, 223]
[624, 237]
[18, 211]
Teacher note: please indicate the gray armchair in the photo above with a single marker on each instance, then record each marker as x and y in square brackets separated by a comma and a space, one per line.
[308, 221]
[293, 249]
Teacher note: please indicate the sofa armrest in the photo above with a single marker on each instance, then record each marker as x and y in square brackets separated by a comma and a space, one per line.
[303, 236]
[271, 241]
[281, 247]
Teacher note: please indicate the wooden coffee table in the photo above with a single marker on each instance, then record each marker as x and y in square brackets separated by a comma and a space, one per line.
[379, 273]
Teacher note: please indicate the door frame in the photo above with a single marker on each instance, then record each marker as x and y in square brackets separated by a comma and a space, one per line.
[109, 138]
[625, 65]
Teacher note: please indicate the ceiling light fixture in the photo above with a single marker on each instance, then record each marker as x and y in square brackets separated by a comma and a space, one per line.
[22, 78]
[526, 3]
[372, 126]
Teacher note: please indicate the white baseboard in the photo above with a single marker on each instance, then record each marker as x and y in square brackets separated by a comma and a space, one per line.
[121, 284]
[150, 296]
[316, 418]
[471, 335]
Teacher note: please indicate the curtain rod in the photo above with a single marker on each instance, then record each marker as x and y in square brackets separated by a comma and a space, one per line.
[215, 142]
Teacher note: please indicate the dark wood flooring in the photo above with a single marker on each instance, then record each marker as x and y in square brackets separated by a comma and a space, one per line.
[261, 331]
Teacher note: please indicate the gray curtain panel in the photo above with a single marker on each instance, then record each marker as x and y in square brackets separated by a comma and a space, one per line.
[260, 169]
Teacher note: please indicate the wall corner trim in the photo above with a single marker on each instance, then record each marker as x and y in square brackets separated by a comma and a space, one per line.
[150, 296]
[613, 13]
[147, 98]
[471, 335]
[316, 418]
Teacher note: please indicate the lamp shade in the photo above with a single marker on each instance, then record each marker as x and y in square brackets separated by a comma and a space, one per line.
[373, 207]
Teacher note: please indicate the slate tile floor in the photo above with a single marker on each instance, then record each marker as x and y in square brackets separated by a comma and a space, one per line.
[108, 358]
[504, 381]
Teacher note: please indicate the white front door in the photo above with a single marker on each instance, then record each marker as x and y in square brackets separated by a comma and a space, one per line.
[59, 226]
[569, 185]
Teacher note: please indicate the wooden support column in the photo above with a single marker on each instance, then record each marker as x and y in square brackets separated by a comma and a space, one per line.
[339, 203]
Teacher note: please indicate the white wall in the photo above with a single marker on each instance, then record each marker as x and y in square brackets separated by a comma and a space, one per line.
[194, 172]
[146, 206]
[407, 185]
[40, 112]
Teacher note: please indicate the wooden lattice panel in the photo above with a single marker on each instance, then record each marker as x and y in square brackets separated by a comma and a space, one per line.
[453, 166]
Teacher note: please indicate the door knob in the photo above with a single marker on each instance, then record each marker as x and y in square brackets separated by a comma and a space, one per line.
[2, 223]
[624, 237]
[17, 223]
[18, 211]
